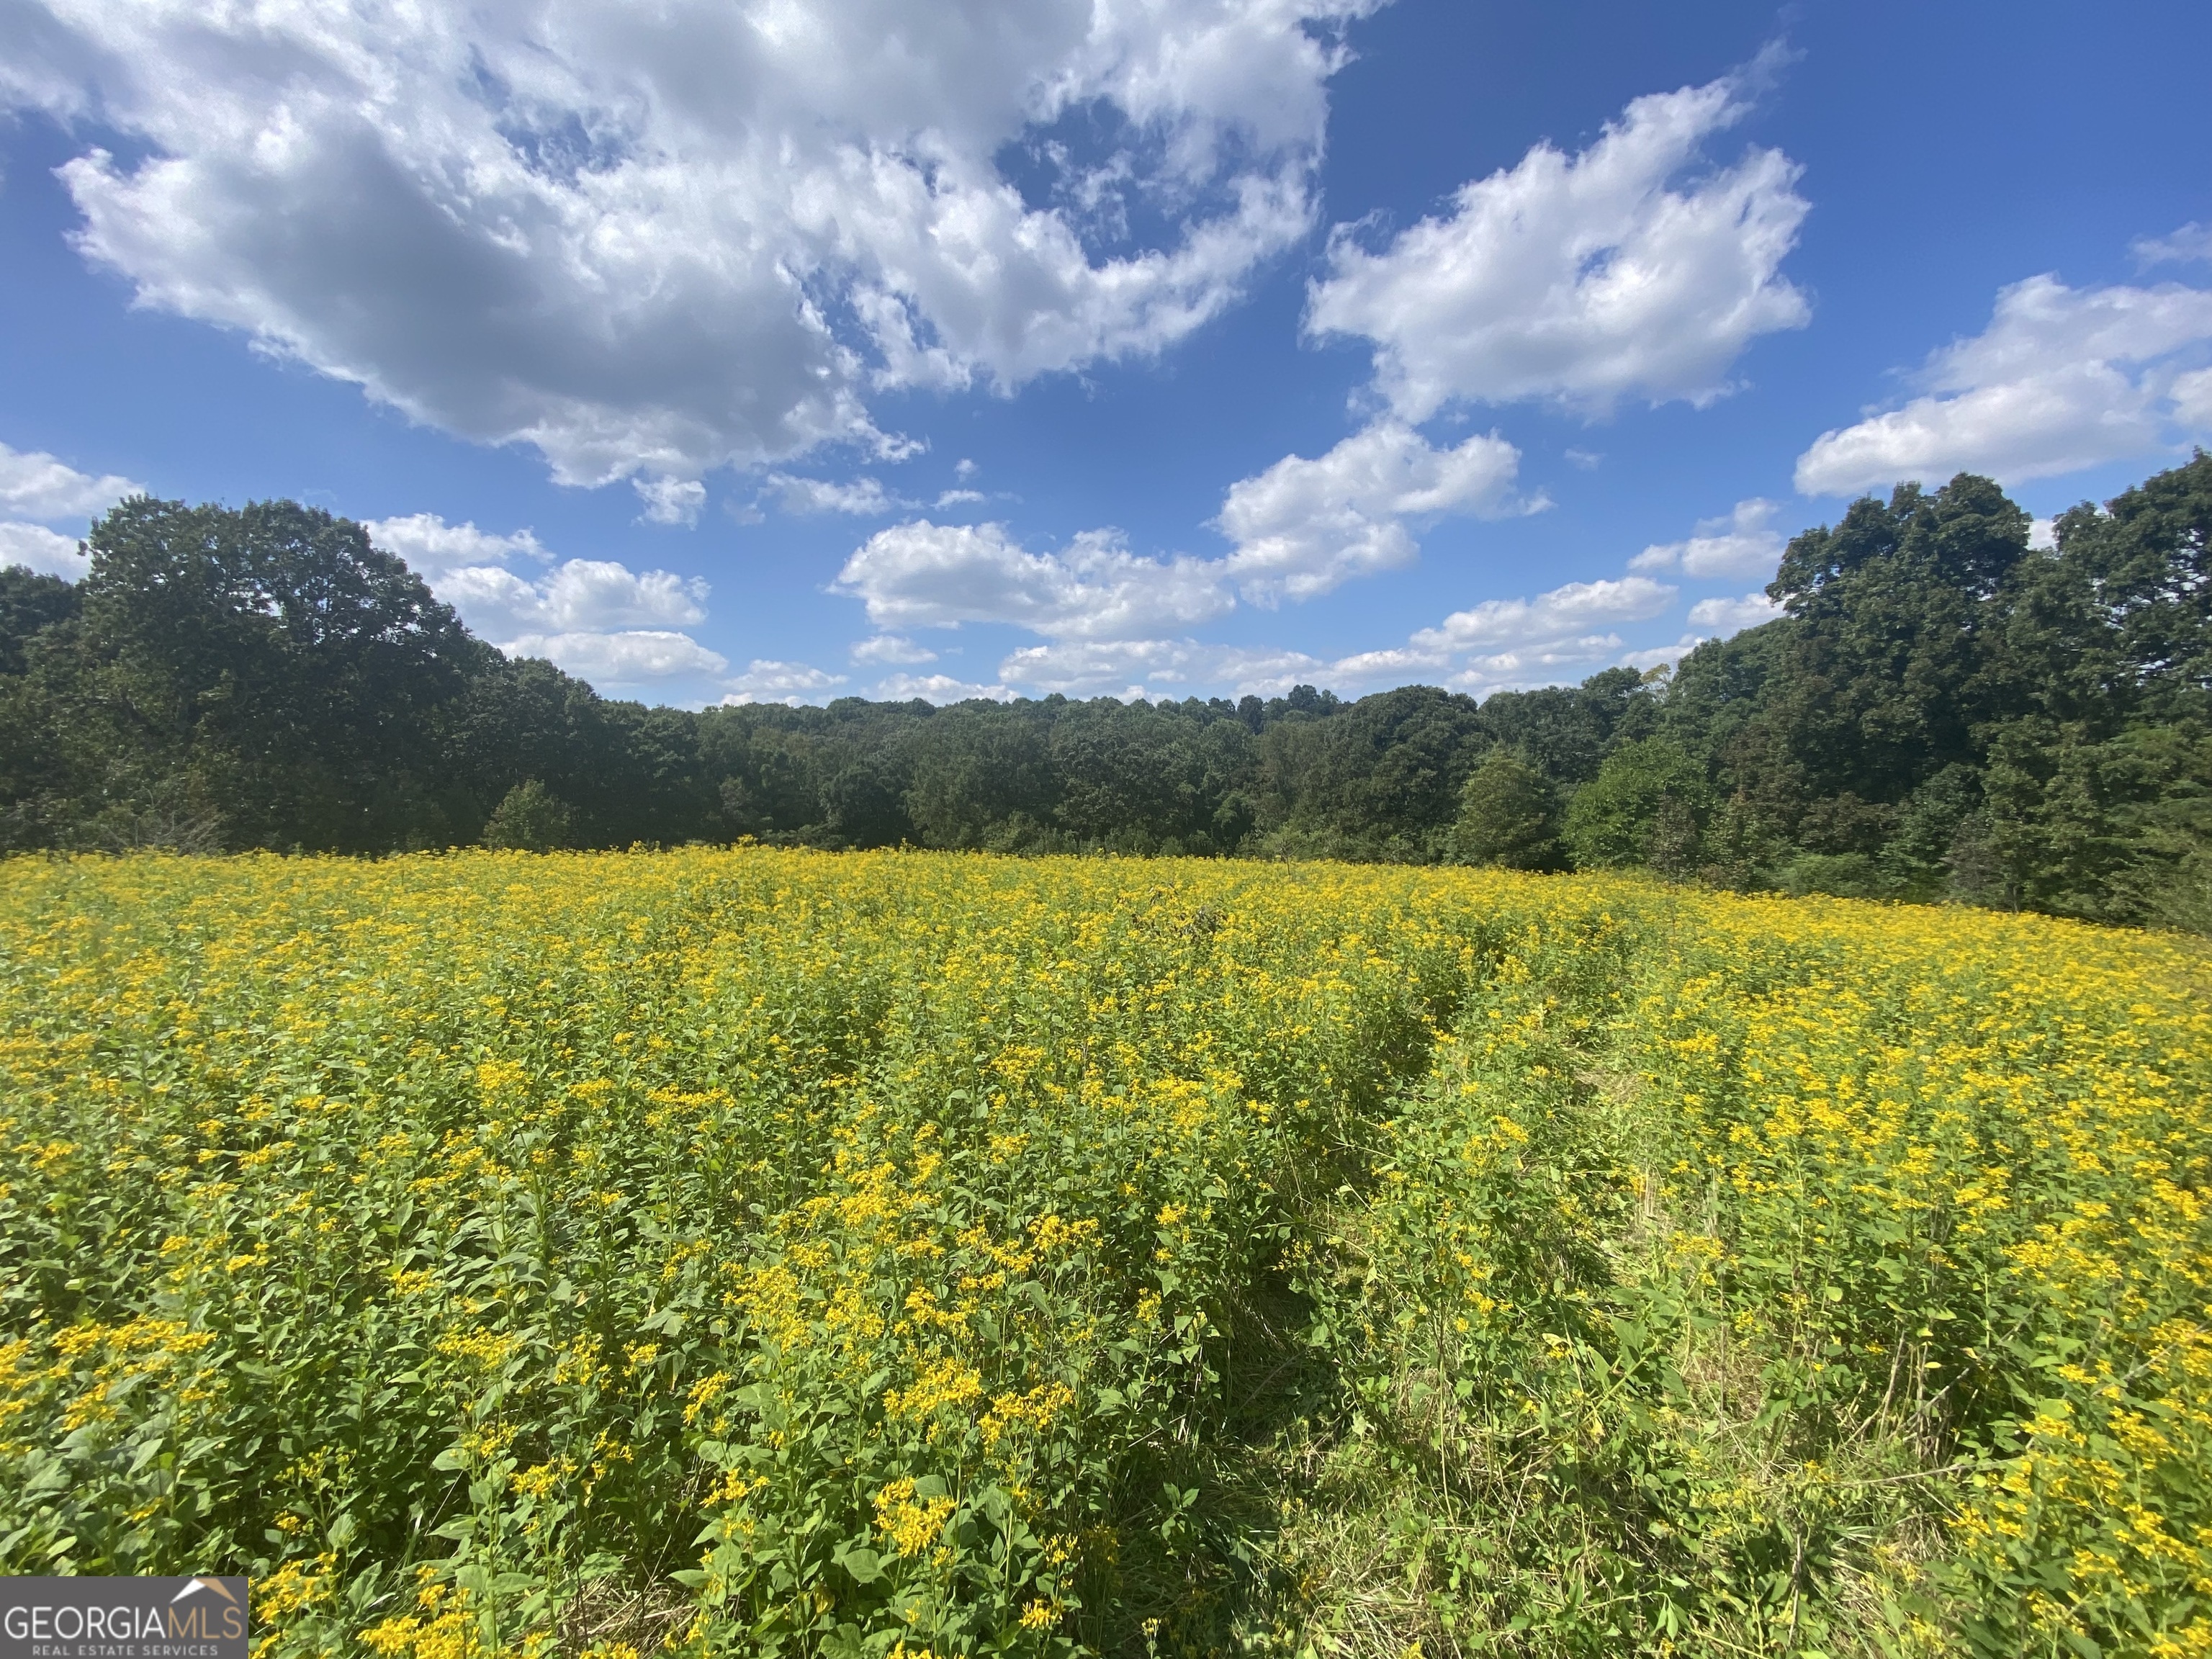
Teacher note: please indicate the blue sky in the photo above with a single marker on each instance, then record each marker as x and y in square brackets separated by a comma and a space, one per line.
[777, 350]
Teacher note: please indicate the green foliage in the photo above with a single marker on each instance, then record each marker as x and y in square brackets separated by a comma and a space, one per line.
[1687, 1310]
[266, 664]
[1889, 672]
[839, 1249]
[1942, 713]
[1508, 815]
[29, 605]
[529, 819]
[1841, 875]
[1648, 806]
[757, 1252]
[1385, 774]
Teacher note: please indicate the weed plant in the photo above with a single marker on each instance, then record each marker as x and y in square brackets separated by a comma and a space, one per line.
[784, 1253]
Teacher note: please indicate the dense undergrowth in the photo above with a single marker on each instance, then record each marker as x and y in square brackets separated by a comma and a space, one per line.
[759, 1252]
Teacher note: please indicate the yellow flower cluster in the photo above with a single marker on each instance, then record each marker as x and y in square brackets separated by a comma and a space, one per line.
[1968, 1164]
[911, 1525]
[434, 1238]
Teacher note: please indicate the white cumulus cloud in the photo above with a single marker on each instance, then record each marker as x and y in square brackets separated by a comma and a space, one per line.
[652, 240]
[36, 485]
[940, 688]
[792, 683]
[1501, 643]
[597, 618]
[1718, 618]
[2191, 242]
[1709, 619]
[2061, 379]
[1562, 634]
[1112, 622]
[862, 497]
[922, 574]
[1303, 526]
[2192, 400]
[622, 661]
[1741, 543]
[433, 548]
[1620, 272]
[1133, 668]
[893, 648]
[1548, 662]
[671, 501]
[47, 551]
[1654, 656]
[580, 595]
[1564, 612]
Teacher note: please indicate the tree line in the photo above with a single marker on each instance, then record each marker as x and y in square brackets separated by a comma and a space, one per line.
[1940, 712]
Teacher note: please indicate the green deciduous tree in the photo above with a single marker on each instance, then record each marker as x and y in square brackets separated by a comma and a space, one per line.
[1508, 815]
[530, 818]
[30, 603]
[1890, 670]
[1647, 806]
[1941, 712]
[266, 663]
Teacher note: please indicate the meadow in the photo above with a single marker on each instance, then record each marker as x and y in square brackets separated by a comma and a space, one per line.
[766, 1252]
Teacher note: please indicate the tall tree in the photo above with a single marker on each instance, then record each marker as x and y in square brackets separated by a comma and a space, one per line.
[982, 777]
[266, 661]
[1886, 678]
[1508, 815]
[1379, 779]
[1648, 805]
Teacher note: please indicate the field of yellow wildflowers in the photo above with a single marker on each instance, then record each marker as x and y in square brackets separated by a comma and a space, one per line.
[758, 1252]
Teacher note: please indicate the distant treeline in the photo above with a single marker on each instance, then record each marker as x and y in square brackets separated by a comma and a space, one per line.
[1942, 712]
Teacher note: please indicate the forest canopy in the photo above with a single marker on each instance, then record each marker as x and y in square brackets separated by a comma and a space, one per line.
[1942, 711]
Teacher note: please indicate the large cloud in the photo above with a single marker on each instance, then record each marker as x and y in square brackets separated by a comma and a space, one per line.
[1561, 633]
[624, 661]
[433, 548]
[1719, 618]
[2061, 379]
[930, 576]
[1582, 280]
[617, 628]
[1111, 622]
[1514, 643]
[654, 239]
[2191, 242]
[597, 595]
[863, 497]
[892, 649]
[1303, 526]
